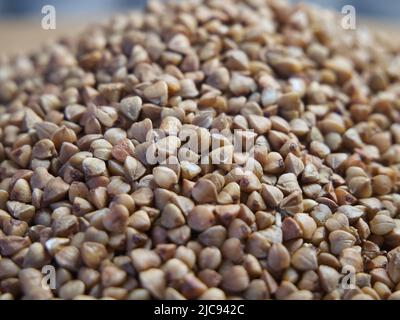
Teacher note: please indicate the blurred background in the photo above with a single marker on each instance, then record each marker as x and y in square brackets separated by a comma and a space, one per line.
[24, 8]
[20, 20]
[389, 9]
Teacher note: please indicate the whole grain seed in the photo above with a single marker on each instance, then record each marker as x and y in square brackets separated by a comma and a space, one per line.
[258, 245]
[141, 197]
[294, 164]
[241, 85]
[381, 184]
[288, 183]
[337, 221]
[278, 257]
[393, 265]
[65, 225]
[232, 250]
[154, 281]
[8, 269]
[204, 191]
[292, 204]
[93, 253]
[339, 240]
[351, 212]
[72, 289]
[305, 259]
[179, 235]
[93, 167]
[192, 287]
[291, 229]
[352, 257]
[112, 276]
[175, 269]
[165, 177]
[273, 163]
[214, 236]
[36, 257]
[21, 211]
[133, 168]
[55, 190]
[213, 294]
[308, 281]
[259, 124]
[131, 107]
[116, 220]
[238, 229]
[382, 224]
[307, 224]
[201, 217]
[360, 187]
[31, 280]
[68, 258]
[209, 258]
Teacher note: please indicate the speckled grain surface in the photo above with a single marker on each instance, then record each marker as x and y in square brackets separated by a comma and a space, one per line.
[21, 36]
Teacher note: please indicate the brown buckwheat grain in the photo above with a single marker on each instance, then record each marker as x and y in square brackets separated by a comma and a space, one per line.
[203, 149]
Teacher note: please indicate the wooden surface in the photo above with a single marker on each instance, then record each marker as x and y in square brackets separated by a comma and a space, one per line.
[22, 36]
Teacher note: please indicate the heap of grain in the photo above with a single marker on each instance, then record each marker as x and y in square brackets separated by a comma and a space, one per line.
[120, 166]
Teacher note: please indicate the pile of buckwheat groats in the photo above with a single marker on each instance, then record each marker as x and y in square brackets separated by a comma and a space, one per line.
[203, 150]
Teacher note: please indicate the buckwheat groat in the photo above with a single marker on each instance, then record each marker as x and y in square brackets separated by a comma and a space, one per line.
[203, 149]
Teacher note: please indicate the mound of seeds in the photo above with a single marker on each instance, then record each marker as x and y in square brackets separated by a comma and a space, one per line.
[203, 150]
